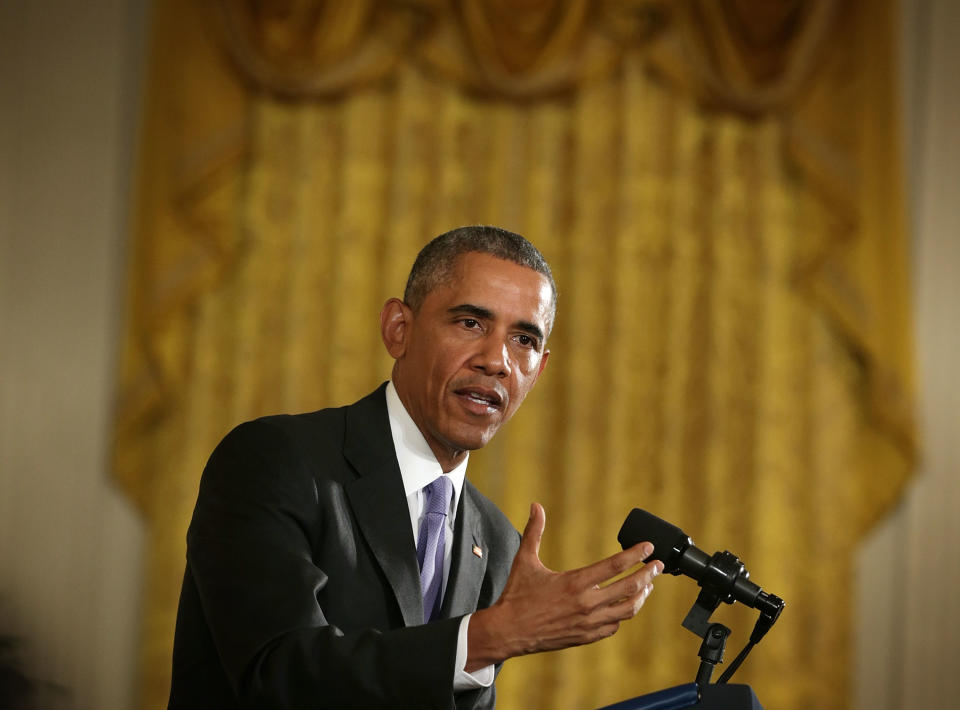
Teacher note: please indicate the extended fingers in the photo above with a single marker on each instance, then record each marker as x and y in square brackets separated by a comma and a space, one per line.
[600, 611]
[594, 603]
[626, 608]
[548, 610]
[631, 585]
[624, 598]
[614, 565]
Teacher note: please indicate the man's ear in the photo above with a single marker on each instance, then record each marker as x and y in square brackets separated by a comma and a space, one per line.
[395, 319]
[543, 363]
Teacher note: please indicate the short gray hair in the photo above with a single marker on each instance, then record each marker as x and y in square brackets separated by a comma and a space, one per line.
[435, 262]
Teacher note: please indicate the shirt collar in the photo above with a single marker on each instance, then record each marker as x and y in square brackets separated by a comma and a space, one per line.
[418, 465]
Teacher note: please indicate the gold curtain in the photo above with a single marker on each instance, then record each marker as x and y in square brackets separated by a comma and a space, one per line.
[717, 187]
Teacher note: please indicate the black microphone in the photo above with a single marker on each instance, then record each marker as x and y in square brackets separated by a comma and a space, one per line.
[722, 572]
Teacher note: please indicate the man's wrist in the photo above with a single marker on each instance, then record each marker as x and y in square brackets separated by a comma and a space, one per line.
[485, 644]
[480, 677]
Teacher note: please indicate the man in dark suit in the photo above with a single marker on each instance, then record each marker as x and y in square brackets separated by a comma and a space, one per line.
[304, 582]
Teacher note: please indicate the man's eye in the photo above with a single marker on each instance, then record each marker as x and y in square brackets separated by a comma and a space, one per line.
[471, 322]
[526, 341]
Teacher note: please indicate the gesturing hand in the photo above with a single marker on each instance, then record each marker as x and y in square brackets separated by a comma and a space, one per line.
[543, 610]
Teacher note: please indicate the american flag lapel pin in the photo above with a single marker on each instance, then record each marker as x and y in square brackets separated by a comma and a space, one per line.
[478, 551]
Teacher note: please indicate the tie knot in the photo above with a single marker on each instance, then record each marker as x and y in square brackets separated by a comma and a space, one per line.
[438, 494]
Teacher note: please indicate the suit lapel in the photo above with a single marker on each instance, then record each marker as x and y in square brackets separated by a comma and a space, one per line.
[466, 567]
[378, 501]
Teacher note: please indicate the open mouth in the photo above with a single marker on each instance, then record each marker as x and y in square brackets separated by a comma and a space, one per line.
[480, 398]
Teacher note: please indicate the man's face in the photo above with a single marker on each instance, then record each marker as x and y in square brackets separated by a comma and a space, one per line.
[467, 359]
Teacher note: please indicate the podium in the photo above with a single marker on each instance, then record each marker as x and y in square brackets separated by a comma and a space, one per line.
[709, 697]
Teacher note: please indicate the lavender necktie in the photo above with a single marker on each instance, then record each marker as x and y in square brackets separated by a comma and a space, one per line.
[430, 543]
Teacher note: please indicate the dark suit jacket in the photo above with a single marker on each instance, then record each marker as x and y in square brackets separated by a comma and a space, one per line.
[302, 588]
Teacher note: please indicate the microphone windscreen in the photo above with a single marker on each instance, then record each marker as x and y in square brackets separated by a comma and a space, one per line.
[668, 540]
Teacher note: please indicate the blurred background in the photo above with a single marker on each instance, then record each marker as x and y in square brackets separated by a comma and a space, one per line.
[750, 208]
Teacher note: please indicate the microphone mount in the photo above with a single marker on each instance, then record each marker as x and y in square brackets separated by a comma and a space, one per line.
[723, 578]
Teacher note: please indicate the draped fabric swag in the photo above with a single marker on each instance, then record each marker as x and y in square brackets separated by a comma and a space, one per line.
[717, 186]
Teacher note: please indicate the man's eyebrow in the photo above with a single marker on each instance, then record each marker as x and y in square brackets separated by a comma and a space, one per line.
[481, 312]
[473, 310]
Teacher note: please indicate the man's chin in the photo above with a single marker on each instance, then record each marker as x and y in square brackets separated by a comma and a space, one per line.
[472, 440]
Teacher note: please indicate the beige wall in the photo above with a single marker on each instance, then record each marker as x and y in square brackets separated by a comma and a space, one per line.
[909, 571]
[70, 546]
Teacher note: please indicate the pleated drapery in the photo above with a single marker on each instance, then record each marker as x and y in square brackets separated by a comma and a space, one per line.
[717, 187]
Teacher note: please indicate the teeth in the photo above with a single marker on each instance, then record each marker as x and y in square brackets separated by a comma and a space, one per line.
[481, 398]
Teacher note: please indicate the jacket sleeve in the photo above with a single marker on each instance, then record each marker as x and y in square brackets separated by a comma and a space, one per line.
[250, 559]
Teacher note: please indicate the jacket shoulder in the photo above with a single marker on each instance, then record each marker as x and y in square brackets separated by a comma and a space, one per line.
[308, 432]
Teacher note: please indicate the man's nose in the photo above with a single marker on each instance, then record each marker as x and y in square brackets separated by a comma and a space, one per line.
[492, 357]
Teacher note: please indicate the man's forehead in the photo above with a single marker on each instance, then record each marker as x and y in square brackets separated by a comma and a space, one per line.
[498, 279]
[475, 265]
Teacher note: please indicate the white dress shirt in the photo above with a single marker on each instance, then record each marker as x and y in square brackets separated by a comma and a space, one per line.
[419, 468]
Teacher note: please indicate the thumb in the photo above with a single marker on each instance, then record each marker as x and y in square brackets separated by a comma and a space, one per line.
[533, 532]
